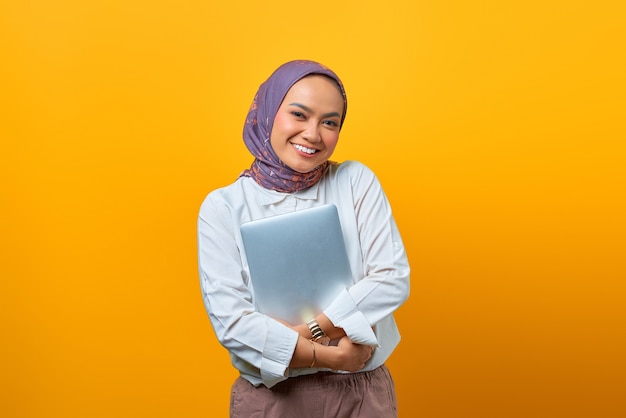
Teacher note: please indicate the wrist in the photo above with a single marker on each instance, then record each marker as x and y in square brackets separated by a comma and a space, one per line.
[303, 330]
[327, 357]
[317, 334]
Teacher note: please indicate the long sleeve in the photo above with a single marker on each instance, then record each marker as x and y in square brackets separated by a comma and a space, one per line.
[379, 260]
[260, 347]
[259, 343]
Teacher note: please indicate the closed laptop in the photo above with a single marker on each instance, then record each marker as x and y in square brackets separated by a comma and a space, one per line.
[298, 262]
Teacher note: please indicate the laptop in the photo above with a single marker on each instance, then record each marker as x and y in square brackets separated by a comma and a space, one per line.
[298, 262]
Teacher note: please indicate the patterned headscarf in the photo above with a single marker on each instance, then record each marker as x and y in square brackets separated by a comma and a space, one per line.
[267, 169]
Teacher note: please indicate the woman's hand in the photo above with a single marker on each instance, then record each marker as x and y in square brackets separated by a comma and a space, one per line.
[345, 356]
[352, 357]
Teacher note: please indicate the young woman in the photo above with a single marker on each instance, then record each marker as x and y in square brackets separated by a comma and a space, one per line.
[287, 370]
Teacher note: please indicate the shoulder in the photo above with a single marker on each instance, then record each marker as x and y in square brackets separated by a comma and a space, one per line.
[354, 171]
[357, 180]
[221, 193]
[218, 201]
[238, 200]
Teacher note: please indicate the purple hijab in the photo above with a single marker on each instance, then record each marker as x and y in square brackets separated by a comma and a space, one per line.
[267, 169]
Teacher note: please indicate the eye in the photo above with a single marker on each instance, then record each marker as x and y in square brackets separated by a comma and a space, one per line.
[330, 123]
[297, 114]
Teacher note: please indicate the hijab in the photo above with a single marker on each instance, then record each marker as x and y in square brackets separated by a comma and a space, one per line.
[267, 169]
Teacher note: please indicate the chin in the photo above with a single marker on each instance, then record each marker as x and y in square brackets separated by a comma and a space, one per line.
[303, 169]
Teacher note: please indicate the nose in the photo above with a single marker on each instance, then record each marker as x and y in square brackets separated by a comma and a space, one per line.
[312, 133]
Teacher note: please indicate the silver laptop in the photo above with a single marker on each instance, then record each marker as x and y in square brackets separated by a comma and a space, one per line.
[298, 262]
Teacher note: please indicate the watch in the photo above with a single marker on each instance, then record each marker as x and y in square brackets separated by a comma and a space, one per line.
[319, 336]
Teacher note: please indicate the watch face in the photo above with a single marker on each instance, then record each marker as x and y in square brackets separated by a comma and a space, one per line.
[323, 340]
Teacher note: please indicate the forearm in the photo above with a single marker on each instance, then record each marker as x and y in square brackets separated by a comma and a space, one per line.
[325, 324]
[344, 356]
[304, 354]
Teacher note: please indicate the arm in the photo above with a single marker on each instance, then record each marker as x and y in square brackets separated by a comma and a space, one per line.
[345, 356]
[325, 324]
[381, 264]
[260, 346]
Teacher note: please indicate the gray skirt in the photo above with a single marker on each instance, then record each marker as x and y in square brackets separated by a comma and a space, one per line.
[321, 395]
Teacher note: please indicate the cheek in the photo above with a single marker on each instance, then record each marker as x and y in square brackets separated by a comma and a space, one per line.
[331, 141]
[278, 131]
[281, 123]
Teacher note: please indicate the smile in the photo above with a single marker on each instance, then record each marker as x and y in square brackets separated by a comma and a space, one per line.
[304, 149]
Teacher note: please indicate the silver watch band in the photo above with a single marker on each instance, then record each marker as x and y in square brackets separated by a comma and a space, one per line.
[315, 329]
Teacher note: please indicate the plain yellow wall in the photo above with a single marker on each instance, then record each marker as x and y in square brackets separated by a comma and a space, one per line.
[496, 127]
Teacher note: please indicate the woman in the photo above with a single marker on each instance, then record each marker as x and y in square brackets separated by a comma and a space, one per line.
[288, 370]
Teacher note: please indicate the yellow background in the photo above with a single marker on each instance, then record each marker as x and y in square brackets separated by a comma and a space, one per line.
[496, 128]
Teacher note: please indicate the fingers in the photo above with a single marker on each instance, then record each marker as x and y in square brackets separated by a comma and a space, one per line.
[355, 355]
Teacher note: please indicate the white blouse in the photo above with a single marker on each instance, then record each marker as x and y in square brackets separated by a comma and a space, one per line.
[260, 347]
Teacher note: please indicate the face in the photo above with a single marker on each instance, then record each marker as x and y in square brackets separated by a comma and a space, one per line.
[306, 126]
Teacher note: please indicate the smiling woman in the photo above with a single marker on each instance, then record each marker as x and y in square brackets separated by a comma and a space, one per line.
[334, 363]
[306, 126]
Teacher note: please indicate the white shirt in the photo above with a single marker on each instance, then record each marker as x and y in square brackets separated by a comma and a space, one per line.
[260, 347]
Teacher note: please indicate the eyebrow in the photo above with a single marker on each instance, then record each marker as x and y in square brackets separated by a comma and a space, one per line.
[308, 109]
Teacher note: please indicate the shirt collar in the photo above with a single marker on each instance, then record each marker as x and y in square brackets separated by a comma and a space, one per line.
[269, 197]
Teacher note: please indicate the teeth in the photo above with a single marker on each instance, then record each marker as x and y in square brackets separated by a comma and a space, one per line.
[303, 149]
